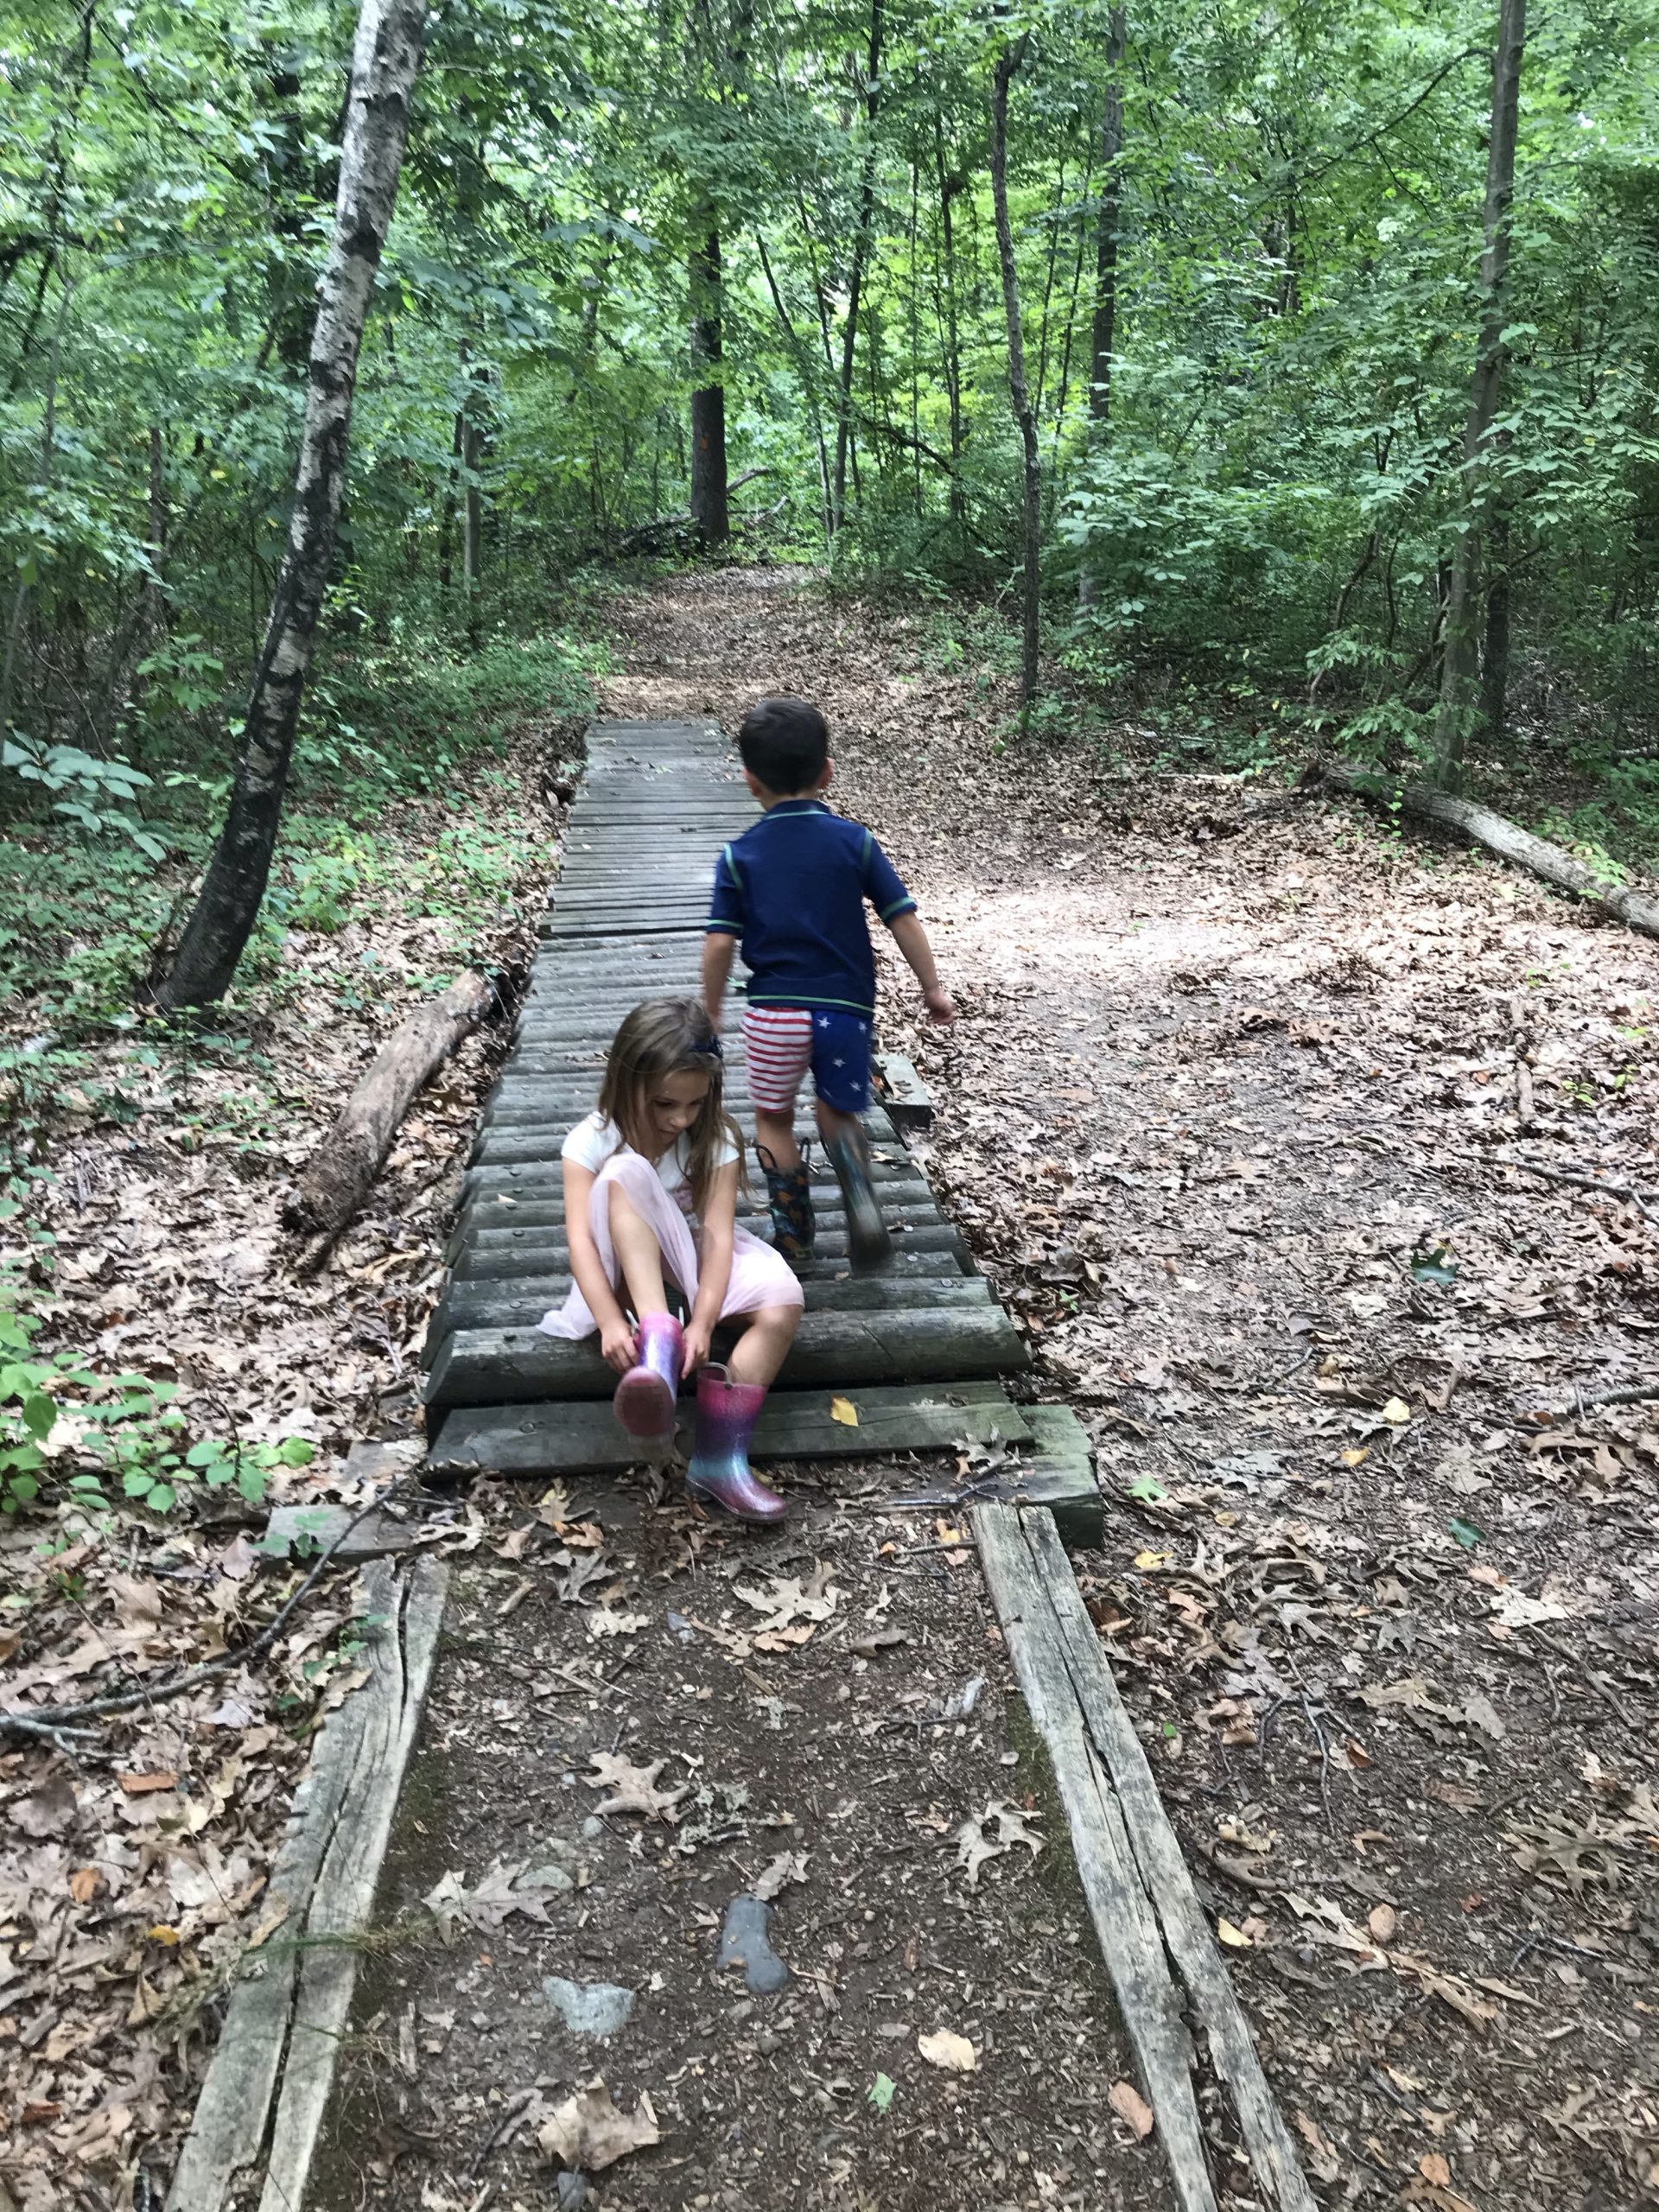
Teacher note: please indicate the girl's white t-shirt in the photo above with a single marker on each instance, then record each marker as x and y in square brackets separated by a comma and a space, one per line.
[593, 1139]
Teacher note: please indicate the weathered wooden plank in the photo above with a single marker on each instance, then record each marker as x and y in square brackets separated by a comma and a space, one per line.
[545, 1178]
[578, 1438]
[550, 1253]
[479, 1366]
[324, 1881]
[520, 1302]
[1124, 1921]
[1167, 1880]
[402, 1656]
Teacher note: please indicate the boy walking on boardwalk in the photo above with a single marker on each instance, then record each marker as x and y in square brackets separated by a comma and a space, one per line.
[792, 888]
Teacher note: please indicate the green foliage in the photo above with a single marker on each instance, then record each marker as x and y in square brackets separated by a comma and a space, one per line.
[129, 1442]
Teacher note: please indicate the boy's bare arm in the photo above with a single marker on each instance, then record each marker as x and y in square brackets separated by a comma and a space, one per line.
[719, 949]
[912, 940]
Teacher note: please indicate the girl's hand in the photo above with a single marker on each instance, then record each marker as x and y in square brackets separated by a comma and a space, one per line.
[616, 1342]
[940, 1005]
[699, 1337]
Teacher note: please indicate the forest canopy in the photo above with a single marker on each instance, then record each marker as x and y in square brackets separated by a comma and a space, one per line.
[676, 281]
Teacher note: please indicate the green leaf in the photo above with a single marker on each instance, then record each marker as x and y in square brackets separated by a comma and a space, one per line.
[296, 1452]
[1466, 1534]
[40, 1414]
[162, 1499]
[1148, 1488]
[882, 2092]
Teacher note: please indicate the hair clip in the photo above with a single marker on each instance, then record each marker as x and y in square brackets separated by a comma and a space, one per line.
[712, 1050]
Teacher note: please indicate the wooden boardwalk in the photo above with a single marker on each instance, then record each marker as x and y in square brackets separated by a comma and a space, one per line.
[920, 1349]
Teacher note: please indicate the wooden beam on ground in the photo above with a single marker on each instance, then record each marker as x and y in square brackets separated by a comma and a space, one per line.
[492, 1366]
[584, 1437]
[1146, 1911]
[291, 1998]
[1637, 910]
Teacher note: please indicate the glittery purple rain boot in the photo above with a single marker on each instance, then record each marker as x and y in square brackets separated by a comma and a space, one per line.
[645, 1397]
[720, 1469]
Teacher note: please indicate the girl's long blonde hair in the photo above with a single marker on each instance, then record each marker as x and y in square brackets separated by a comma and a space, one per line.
[665, 1037]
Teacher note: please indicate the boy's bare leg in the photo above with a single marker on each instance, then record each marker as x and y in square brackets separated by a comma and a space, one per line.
[833, 1123]
[868, 1239]
[639, 1255]
[777, 1133]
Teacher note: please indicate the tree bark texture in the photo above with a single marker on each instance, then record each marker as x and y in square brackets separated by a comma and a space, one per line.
[1460, 661]
[337, 1178]
[710, 509]
[860, 250]
[386, 61]
[1103, 337]
[1007, 67]
[1506, 839]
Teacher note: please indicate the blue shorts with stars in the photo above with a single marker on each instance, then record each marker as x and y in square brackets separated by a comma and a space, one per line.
[784, 1041]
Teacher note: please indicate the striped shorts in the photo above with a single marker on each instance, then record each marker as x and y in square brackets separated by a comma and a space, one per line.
[784, 1041]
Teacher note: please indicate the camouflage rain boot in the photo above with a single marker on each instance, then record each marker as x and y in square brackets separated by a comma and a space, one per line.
[788, 1194]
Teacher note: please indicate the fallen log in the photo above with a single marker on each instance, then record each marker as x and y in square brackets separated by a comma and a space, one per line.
[337, 1178]
[1506, 839]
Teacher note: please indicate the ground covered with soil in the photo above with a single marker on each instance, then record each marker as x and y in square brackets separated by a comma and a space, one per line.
[155, 1259]
[1318, 1165]
[636, 1726]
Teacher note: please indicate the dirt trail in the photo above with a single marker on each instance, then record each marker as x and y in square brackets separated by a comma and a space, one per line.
[1232, 1120]
[1223, 1118]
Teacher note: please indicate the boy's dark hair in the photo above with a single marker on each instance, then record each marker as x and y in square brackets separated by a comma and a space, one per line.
[786, 743]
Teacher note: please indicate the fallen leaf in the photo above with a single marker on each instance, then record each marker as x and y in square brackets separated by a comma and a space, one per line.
[844, 1411]
[138, 1785]
[882, 2092]
[1434, 2167]
[1127, 2101]
[788, 1866]
[976, 1844]
[1396, 1410]
[1235, 1938]
[879, 1639]
[1382, 1920]
[954, 2053]
[49, 1811]
[633, 1789]
[1321, 2157]
[83, 1884]
[500, 1892]
[587, 2131]
[605, 1622]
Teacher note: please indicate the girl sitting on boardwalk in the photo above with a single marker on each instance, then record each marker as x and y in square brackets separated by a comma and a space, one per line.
[650, 1195]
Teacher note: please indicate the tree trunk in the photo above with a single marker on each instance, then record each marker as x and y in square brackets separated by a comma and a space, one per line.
[710, 511]
[948, 189]
[1006, 70]
[1460, 659]
[336, 1180]
[1103, 335]
[861, 249]
[385, 62]
[809, 384]
[1495, 654]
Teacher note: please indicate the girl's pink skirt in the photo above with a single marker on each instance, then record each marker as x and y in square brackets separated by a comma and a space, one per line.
[760, 1277]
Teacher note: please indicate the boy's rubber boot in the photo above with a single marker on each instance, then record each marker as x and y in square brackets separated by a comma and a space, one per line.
[645, 1397]
[868, 1242]
[719, 1468]
[788, 1194]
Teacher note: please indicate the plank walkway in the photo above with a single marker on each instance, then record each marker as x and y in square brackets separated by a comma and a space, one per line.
[919, 1348]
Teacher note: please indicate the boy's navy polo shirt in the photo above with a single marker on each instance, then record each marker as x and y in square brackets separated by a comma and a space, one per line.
[793, 889]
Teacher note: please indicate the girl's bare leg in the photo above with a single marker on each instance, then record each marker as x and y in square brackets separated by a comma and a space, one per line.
[758, 1352]
[639, 1255]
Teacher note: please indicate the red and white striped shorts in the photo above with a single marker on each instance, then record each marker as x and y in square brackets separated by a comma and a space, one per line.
[784, 1041]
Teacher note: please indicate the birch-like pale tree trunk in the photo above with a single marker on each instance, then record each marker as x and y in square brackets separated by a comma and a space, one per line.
[1006, 68]
[385, 61]
[1460, 660]
[861, 253]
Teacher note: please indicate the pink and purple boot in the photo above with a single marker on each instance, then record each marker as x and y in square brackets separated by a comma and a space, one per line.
[645, 1397]
[720, 1469]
